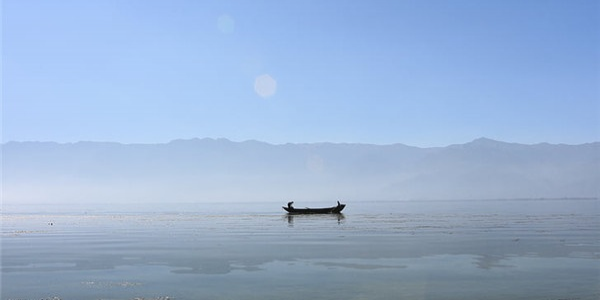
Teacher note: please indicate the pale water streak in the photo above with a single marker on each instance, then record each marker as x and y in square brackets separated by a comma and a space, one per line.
[543, 249]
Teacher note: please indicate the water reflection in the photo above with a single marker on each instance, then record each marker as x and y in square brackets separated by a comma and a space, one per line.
[314, 217]
[371, 252]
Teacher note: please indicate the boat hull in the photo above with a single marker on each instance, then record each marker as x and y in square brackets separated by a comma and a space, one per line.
[325, 210]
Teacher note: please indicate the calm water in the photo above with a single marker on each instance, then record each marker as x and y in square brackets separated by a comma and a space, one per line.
[542, 249]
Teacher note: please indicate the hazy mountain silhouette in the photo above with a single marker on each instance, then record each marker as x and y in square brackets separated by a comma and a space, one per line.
[222, 170]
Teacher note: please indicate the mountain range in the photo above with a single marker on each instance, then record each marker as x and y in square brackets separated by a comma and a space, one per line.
[217, 170]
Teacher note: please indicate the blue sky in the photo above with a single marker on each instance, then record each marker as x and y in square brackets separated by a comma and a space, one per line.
[423, 73]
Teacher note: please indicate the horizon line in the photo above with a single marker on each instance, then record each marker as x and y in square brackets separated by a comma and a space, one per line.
[476, 140]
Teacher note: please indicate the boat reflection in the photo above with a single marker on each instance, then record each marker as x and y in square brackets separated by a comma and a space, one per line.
[291, 218]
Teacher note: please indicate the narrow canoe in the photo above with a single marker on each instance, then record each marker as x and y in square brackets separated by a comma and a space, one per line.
[325, 210]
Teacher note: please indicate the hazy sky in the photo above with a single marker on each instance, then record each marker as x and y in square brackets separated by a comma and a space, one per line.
[423, 73]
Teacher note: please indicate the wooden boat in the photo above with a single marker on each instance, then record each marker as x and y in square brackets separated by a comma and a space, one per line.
[325, 210]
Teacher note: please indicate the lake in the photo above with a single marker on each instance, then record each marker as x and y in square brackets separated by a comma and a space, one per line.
[492, 249]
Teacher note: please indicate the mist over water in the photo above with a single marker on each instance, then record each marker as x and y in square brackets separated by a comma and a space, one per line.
[110, 174]
[502, 249]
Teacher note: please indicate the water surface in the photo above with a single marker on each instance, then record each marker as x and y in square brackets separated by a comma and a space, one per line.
[525, 249]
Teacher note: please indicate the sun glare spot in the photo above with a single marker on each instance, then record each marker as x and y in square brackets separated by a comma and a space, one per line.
[226, 24]
[265, 86]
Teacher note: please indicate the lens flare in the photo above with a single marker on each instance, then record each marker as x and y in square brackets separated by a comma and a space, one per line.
[226, 24]
[265, 86]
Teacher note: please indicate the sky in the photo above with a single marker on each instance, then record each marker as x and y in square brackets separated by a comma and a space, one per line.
[421, 73]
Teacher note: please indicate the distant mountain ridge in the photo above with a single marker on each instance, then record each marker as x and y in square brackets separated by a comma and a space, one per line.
[222, 170]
